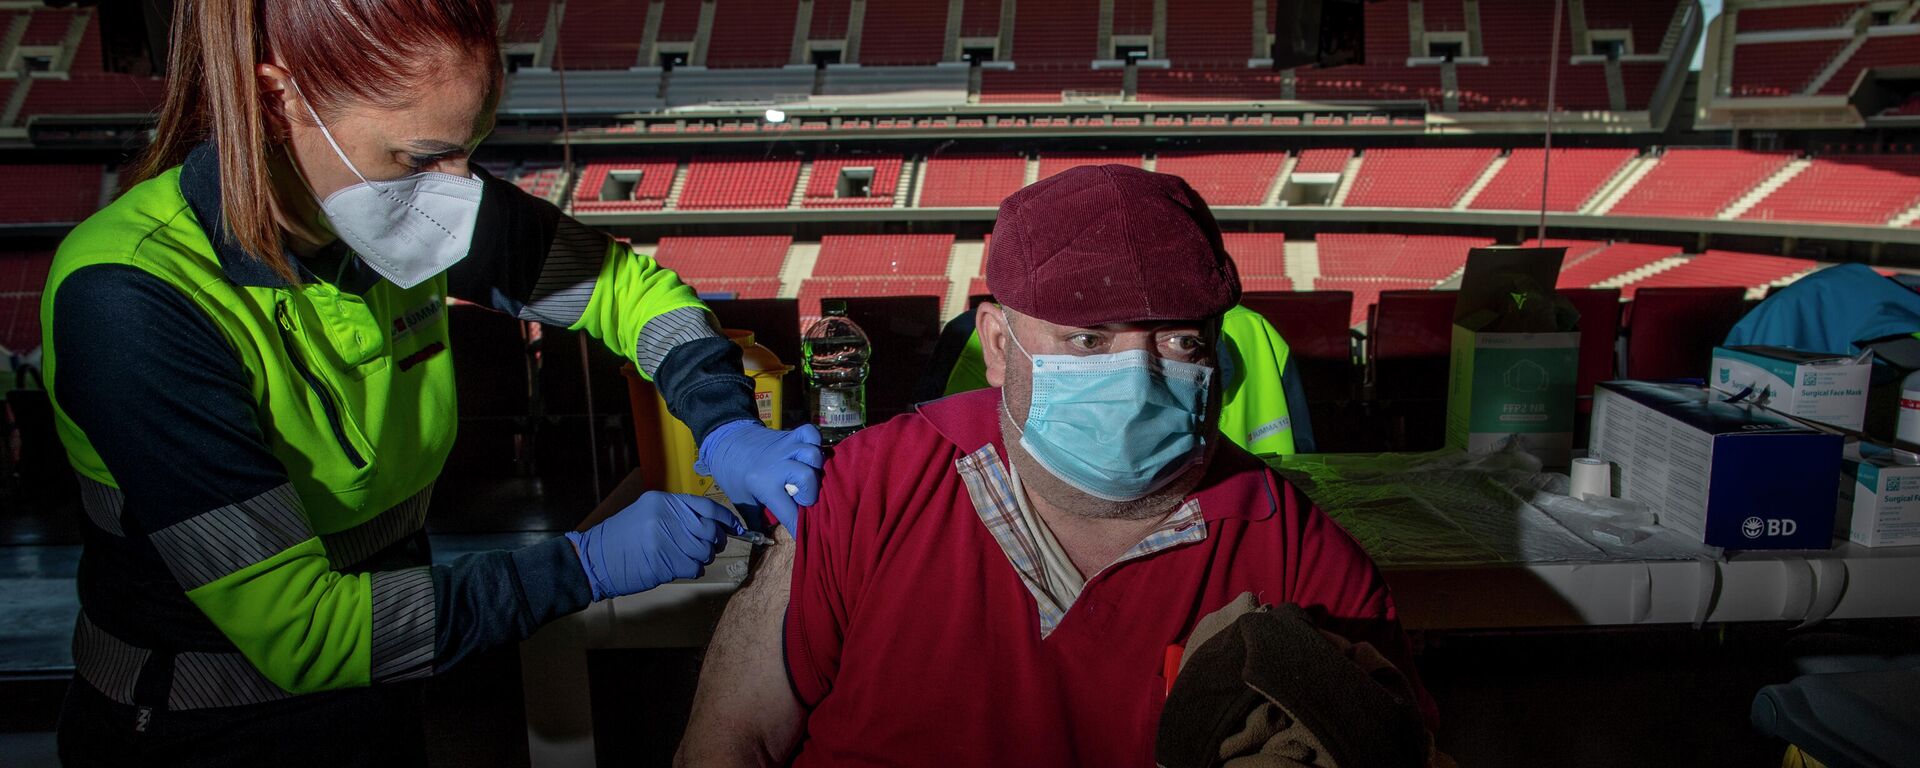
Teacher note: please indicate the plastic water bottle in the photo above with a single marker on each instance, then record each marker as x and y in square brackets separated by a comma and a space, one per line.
[833, 354]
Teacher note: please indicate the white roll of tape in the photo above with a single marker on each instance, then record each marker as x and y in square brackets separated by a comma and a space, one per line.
[1592, 477]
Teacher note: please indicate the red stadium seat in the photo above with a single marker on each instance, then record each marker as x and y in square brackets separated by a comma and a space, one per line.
[648, 191]
[1698, 183]
[1846, 189]
[1795, 17]
[1315, 327]
[527, 20]
[1224, 178]
[1232, 84]
[1314, 323]
[1052, 163]
[823, 185]
[904, 33]
[1599, 329]
[1577, 175]
[1409, 346]
[59, 194]
[1780, 68]
[1889, 51]
[1046, 84]
[739, 182]
[906, 327]
[741, 256]
[1611, 262]
[601, 34]
[971, 181]
[1416, 177]
[1195, 34]
[1057, 31]
[1671, 332]
[751, 33]
[1366, 291]
[1751, 272]
[1258, 254]
[883, 255]
[980, 18]
[813, 290]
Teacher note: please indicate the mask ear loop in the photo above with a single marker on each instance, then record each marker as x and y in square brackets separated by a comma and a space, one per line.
[328, 134]
[1008, 321]
[1011, 336]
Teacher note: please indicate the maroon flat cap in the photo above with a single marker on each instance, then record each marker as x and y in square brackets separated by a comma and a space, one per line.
[1110, 244]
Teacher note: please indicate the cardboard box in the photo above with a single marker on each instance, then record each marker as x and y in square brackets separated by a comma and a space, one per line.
[1514, 356]
[1827, 388]
[1879, 500]
[1734, 475]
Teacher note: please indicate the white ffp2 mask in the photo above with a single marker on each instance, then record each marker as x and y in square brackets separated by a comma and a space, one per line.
[408, 229]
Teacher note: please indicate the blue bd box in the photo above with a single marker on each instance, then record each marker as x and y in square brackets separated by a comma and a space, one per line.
[1733, 475]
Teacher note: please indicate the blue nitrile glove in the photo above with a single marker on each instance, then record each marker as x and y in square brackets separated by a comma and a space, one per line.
[659, 538]
[756, 465]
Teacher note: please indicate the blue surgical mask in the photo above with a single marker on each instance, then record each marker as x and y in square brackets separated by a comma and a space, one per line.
[1116, 426]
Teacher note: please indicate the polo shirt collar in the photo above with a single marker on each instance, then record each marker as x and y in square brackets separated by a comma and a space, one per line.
[200, 185]
[971, 420]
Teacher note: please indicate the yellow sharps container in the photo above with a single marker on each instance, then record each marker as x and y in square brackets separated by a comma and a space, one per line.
[674, 473]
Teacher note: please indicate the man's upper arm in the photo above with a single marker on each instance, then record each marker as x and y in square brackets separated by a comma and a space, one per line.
[745, 711]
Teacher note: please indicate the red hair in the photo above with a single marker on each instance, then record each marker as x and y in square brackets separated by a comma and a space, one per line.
[377, 52]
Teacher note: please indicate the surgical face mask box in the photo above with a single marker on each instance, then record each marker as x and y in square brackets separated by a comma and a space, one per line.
[1515, 353]
[1735, 475]
[1830, 389]
[1879, 499]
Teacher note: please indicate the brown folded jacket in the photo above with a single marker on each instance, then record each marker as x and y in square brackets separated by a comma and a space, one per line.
[1262, 688]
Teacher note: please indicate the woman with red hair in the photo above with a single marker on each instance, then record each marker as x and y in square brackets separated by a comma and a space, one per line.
[248, 352]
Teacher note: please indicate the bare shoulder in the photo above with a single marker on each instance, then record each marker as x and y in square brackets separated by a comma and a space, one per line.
[744, 712]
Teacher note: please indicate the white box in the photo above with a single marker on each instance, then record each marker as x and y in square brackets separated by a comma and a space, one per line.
[1732, 475]
[1881, 503]
[1816, 386]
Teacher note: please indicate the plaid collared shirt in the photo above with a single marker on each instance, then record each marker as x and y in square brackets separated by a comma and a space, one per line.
[998, 504]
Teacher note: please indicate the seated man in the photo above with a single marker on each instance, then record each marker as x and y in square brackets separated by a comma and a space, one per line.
[998, 578]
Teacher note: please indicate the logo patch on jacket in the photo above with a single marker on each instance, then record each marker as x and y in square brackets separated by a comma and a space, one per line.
[425, 353]
[417, 318]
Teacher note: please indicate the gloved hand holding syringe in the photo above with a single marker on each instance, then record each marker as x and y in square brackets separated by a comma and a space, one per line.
[740, 530]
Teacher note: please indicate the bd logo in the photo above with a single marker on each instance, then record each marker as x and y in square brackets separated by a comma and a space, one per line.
[1755, 527]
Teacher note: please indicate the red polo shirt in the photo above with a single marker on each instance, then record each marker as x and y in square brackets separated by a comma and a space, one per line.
[911, 639]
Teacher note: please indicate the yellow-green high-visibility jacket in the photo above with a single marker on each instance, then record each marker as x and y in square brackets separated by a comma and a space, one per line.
[1264, 409]
[254, 452]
